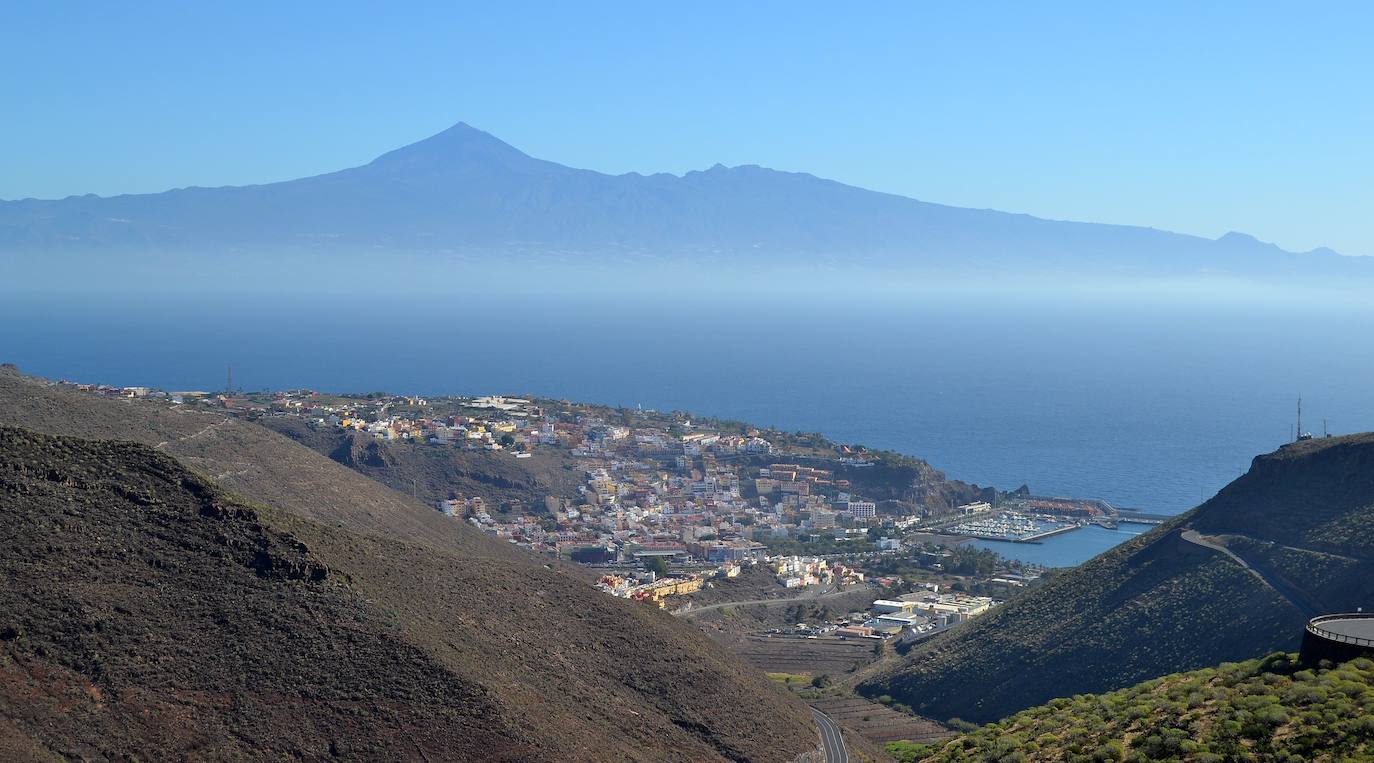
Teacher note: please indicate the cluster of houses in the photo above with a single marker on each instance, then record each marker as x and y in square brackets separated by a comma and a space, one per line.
[695, 497]
[802, 571]
[645, 490]
[685, 495]
[648, 587]
[662, 486]
[791, 572]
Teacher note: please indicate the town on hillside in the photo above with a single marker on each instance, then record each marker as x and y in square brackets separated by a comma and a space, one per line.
[681, 512]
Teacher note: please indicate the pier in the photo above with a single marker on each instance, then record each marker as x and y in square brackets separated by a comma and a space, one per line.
[1141, 517]
[1042, 535]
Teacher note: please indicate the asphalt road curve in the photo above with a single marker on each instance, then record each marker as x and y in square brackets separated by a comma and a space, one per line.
[832, 741]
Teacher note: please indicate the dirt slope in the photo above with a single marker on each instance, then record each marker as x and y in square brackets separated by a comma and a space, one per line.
[240, 456]
[143, 612]
[566, 670]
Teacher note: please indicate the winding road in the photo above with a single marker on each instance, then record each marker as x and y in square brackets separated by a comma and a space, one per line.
[832, 739]
[1297, 598]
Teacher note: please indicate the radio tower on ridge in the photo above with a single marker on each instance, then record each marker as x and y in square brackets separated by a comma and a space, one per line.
[229, 382]
[1301, 434]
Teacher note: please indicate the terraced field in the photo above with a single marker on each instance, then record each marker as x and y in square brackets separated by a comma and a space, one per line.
[878, 723]
[826, 655]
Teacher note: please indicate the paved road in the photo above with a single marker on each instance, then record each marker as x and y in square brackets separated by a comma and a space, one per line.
[1299, 599]
[832, 740]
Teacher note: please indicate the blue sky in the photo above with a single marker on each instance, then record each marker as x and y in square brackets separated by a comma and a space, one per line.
[1197, 117]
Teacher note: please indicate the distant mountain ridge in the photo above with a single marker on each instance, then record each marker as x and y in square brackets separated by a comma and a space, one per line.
[466, 194]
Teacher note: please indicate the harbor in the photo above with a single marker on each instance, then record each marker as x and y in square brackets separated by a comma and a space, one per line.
[1035, 519]
[1065, 549]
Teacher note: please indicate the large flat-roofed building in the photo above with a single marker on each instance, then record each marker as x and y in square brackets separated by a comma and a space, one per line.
[894, 622]
[885, 606]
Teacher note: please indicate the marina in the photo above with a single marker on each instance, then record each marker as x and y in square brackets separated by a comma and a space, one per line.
[1054, 532]
[1065, 549]
[1012, 527]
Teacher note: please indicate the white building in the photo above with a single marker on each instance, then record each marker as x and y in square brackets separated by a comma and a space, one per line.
[863, 509]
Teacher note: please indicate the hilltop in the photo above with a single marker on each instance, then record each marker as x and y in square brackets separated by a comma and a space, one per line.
[1262, 710]
[1233, 579]
[465, 198]
[263, 545]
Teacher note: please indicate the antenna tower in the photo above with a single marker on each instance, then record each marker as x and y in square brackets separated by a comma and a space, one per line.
[229, 380]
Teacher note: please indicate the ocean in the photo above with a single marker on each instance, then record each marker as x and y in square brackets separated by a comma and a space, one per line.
[1146, 402]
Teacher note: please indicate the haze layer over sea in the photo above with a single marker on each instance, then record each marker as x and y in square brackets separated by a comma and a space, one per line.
[1145, 399]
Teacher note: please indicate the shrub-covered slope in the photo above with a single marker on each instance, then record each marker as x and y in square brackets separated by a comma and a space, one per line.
[1299, 522]
[1260, 710]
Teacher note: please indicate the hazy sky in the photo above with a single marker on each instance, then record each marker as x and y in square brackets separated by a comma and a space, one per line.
[1196, 117]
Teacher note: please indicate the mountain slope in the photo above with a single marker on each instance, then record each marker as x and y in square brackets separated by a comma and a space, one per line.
[1264, 710]
[138, 596]
[243, 457]
[435, 474]
[1235, 578]
[465, 196]
[566, 672]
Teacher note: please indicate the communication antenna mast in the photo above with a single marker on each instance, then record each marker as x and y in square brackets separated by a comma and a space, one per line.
[229, 380]
[1301, 434]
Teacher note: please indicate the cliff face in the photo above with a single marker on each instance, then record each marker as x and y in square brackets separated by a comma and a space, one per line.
[496, 654]
[1315, 494]
[1234, 579]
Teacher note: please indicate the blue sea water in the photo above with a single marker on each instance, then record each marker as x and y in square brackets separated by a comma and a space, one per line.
[1146, 403]
[1066, 549]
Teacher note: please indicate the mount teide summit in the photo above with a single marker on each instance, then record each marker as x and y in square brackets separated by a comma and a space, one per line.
[464, 195]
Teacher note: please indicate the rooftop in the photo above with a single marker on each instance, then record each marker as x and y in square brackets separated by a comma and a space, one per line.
[1353, 626]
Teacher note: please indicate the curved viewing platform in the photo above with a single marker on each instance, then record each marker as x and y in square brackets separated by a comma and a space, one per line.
[1338, 637]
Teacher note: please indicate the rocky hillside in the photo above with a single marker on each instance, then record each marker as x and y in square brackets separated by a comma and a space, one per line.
[367, 623]
[1260, 710]
[137, 596]
[435, 474]
[1234, 579]
[242, 457]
